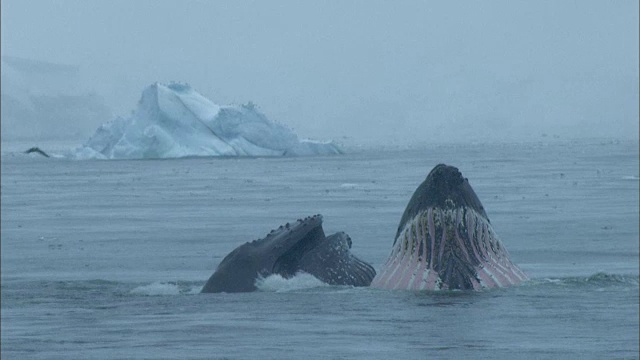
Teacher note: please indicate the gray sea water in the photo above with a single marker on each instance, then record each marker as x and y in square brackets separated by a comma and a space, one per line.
[104, 259]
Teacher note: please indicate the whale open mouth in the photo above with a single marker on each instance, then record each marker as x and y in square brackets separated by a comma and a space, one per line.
[303, 246]
[288, 264]
[448, 249]
[327, 258]
[445, 241]
[292, 248]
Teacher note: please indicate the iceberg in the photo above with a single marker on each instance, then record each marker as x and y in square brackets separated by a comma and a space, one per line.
[173, 120]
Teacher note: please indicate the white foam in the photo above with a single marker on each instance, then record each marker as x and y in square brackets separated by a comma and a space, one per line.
[157, 289]
[164, 289]
[276, 283]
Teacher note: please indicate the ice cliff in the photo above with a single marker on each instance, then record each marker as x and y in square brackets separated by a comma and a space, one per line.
[173, 120]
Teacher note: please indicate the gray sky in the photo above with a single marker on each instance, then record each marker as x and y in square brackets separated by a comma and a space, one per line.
[413, 70]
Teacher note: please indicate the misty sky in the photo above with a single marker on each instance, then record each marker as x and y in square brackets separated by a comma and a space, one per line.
[363, 69]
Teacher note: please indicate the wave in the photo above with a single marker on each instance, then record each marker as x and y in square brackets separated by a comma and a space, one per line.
[300, 282]
[277, 283]
[598, 279]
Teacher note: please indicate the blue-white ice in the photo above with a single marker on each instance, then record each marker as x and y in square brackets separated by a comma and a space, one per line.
[173, 120]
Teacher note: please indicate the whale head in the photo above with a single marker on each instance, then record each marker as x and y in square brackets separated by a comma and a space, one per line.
[445, 241]
[287, 250]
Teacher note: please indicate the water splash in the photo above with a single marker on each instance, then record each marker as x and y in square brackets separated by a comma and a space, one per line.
[165, 289]
[631, 177]
[277, 283]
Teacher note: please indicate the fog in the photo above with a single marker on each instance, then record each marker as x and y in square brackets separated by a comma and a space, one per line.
[358, 71]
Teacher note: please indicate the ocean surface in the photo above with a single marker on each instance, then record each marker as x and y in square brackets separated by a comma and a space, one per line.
[105, 259]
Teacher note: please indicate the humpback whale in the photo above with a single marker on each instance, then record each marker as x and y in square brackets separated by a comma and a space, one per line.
[445, 241]
[292, 248]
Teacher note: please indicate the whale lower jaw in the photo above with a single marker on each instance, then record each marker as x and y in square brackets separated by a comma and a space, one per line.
[446, 249]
